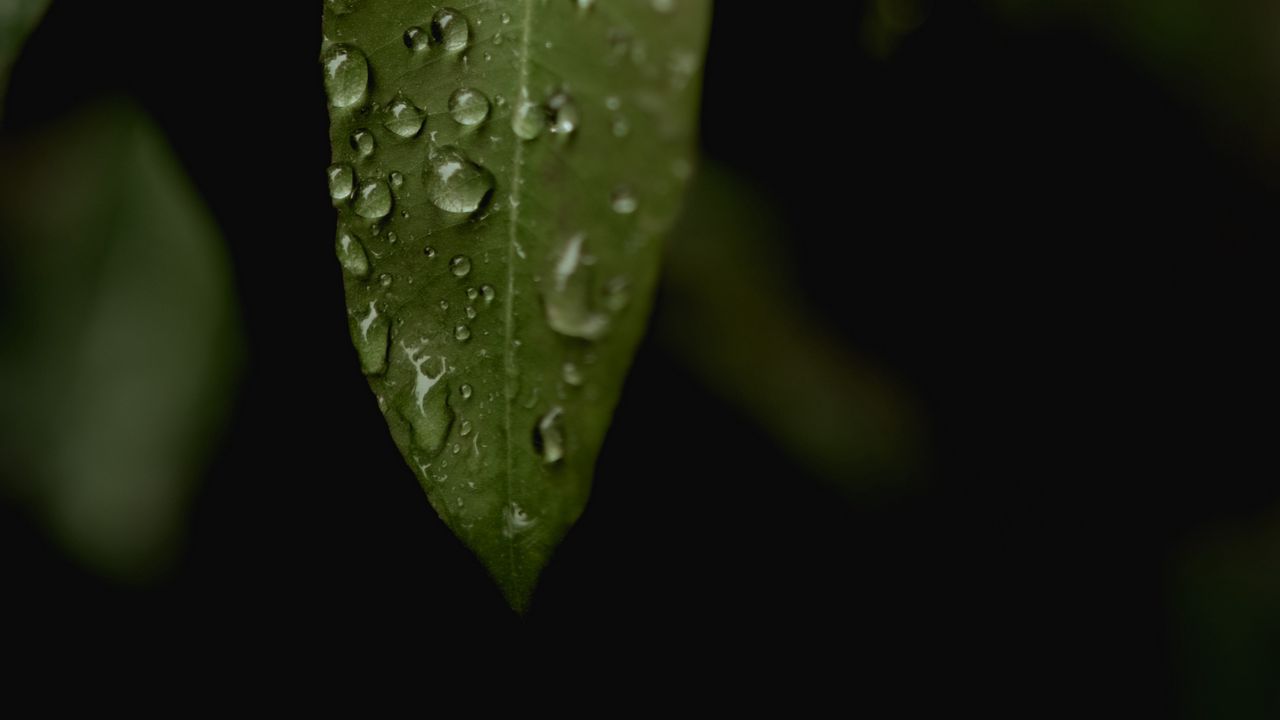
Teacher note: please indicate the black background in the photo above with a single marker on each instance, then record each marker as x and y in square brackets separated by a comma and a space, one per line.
[1055, 252]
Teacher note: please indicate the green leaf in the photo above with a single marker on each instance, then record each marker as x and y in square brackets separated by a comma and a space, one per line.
[120, 337]
[500, 260]
[17, 18]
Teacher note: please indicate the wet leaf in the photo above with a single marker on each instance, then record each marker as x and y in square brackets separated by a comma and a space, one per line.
[504, 173]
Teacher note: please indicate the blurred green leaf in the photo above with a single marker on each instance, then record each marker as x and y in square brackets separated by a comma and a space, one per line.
[17, 18]
[120, 336]
[735, 315]
[516, 165]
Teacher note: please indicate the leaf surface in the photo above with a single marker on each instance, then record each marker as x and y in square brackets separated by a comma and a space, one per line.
[504, 172]
[17, 18]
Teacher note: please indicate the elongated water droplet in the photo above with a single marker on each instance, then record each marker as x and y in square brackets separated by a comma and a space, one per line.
[529, 120]
[351, 254]
[567, 299]
[465, 391]
[489, 294]
[369, 332]
[454, 183]
[623, 201]
[341, 181]
[373, 200]
[564, 113]
[362, 142]
[449, 28]
[427, 410]
[465, 430]
[346, 73]
[417, 39]
[403, 117]
[548, 436]
[468, 106]
[460, 266]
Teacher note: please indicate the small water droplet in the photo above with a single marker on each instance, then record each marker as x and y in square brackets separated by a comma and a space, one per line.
[362, 142]
[584, 5]
[454, 183]
[506, 18]
[396, 178]
[460, 266]
[428, 412]
[346, 73]
[429, 251]
[373, 200]
[529, 120]
[341, 181]
[568, 297]
[462, 333]
[385, 280]
[370, 333]
[617, 293]
[564, 113]
[392, 237]
[417, 39]
[351, 254]
[465, 391]
[622, 200]
[471, 313]
[571, 374]
[468, 106]
[466, 428]
[621, 128]
[444, 304]
[403, 117]
[663, 6]
[548, 436]
[515, 521]
[449, 28]
[472, 294]
[612, 102]
[489, 294]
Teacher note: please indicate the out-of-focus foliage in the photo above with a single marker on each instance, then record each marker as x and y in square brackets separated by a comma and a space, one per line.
[120, 336]
[738, 319]
[17, 18]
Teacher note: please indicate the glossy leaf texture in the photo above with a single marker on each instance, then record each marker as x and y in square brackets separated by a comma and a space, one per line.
[504, 174]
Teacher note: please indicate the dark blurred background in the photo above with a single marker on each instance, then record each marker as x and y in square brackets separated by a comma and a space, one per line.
[1041, 226]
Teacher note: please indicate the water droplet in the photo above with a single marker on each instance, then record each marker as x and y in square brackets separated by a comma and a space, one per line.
[617, 293]
[403, 117]
[465, 391]
[429, 414]
[385, 280]
[489, 294]
[515, 521]
[346, 73]
[373, 200]
[564, 113]
[462, 333]
[370, 333]
[548, 436]
[571, 374]
[584, 5]
[506, 18]
[351, 254]
[444, 304]
[471, 313]
[341, 181]
[392, 237]
[472, 294]
[429, 251]
[621, 128]
[454, 183]
[529, 120]
[612, 102]
[460, 266]
[466, 428]
[362, 142]
[663, 6]
[396, 178]
[468, 106]
[568, 297]
[416, 39]
[622, 200]
[449, 28]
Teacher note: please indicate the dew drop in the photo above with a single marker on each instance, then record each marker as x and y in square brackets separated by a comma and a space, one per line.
[362, 142]
[346, 73]
[370, 332]
[373, 200]
[468, 106]
[351, 254]
[489, 294]
[465, 391]
[392, 237]
[529, 120]
[427, 411]
[385, 280]
[564, 113]
[417, 39]
[471, 313]
[617, 294]
[403, 117]
[460, 266]
[622, 200]
[584, 5]
[396, 178]
[462, 333]
[449, 28]
[454, 183]
[472, 294]
[429, 251]
[571, 373]
[568, 297]
[341, 181]
[548, 436]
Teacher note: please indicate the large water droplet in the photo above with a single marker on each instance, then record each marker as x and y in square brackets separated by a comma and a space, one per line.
[346, 73]
[529, 120]
[568, 297]
[373, 200]
[429, 414]
[341, 181]
[564, 113]
[417, 39]
[403, 117]
[362, 142]
[449, 28]
[454, 183]
[548, 436]
[351, 254]
[370, 332]
[460, 266]
[468, 106]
